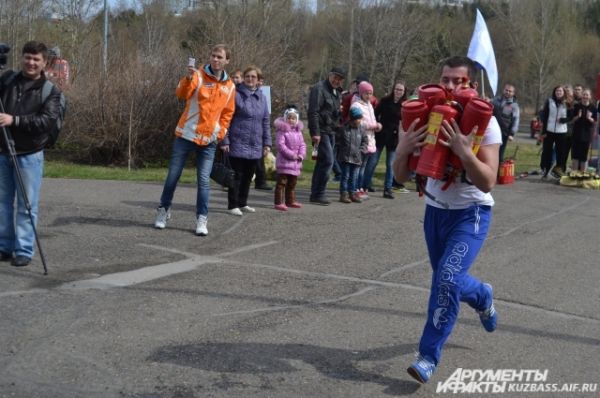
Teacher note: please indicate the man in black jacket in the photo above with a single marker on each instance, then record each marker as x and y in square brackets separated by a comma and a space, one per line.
[29, 122]
[324, 116]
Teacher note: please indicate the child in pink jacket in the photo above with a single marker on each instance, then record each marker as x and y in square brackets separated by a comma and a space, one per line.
[291, 150]
[370, 127]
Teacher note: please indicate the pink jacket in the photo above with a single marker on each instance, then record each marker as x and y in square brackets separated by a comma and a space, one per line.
[291, 148]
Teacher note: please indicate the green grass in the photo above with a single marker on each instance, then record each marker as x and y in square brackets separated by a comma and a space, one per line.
[527, 159]
[59, 169]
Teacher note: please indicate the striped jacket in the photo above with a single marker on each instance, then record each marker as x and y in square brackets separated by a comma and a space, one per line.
[209, 107]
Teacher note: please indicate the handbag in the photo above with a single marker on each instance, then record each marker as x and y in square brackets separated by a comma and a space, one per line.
[222, 173]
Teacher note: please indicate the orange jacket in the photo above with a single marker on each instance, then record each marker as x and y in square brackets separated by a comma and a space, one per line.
[209, 107]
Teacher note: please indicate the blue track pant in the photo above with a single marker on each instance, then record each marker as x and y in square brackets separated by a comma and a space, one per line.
[454, 238]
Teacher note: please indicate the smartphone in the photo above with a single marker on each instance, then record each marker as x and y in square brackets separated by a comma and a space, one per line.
[192, 62]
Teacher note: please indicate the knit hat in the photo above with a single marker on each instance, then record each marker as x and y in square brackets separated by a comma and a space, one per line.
[291, 111]
[363, 87]
[355, 113]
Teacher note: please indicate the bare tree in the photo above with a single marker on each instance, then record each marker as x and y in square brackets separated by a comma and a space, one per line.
[537, 36]
[129, 114]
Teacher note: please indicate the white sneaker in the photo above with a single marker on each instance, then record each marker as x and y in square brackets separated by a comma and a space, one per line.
[235, 212]
[162, 215]
[201, 229]
[248, 209]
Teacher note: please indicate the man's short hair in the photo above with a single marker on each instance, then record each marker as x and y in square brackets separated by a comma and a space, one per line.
[459, 61]
[361, 77]
[35, 47]
[222, 47]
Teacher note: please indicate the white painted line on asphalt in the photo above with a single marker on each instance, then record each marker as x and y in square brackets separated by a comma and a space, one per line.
[546, 217]
[123, 279]
[141, 275]
[325, 275]
[288, 307]
[234, 226]
[248, 248]
[505, 233]
[20, 292]
[564, 315]
[374, 285]
[146, 274]
[404, 267]
[168, 249]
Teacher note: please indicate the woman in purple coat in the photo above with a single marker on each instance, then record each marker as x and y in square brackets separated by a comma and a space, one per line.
[291, 150]
[248, 139]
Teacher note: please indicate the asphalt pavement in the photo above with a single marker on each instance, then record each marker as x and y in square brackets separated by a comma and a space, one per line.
[315, 302]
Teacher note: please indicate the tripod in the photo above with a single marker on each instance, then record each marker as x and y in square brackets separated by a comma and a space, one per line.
[10, 144]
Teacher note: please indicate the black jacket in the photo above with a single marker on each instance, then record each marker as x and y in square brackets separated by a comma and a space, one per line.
[32, 118]
[324, 109]
[388, 114]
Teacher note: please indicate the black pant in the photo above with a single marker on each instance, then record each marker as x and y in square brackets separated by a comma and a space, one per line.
[551, 139]
[244, 170]
[261, 175]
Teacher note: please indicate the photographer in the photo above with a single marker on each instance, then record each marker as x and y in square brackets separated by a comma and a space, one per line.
[209, 96]
[29, 121]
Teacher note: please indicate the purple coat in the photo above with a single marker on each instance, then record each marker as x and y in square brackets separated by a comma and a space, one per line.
[249, 131]
[290, 143]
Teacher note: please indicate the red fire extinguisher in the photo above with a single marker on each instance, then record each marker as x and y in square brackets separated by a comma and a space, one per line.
[432, 94]
[411, 110]
[463, 94]
[478, 112]
[434, 155]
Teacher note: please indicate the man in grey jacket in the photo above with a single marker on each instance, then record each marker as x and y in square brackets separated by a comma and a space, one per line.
[506, 110]
[324, 116]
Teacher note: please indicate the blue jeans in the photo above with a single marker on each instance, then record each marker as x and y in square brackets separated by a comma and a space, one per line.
[204, 161]
[348, 177]
[323, 166]
[390, 155]
[17, 233]
[454, 238]
[367, 169]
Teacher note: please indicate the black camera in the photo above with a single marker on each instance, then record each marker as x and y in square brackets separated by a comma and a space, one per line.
[4, 50]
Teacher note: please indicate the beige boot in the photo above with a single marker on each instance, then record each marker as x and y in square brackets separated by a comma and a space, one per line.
[345, 197]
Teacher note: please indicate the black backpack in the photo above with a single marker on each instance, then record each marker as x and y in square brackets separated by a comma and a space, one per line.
[7, 79]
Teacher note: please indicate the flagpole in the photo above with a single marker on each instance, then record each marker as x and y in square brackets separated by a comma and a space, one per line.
[482, 83]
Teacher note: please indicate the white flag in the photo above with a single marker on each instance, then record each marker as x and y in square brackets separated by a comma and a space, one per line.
[482, 51]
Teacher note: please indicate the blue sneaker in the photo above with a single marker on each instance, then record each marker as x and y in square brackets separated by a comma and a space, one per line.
[421, 369]
[489, 316]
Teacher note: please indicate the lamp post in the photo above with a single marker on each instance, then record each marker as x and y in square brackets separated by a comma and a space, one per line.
[105, 47]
